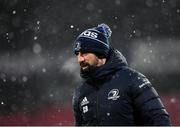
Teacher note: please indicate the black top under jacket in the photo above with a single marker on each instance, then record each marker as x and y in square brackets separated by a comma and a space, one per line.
[115, 94]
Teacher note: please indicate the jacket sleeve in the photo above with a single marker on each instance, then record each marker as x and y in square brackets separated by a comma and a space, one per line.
[78, 121]
[148, 103]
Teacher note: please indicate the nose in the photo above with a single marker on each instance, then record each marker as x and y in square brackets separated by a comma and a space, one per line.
[80, 57]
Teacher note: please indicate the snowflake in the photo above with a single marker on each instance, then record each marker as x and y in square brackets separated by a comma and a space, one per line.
[72, 26]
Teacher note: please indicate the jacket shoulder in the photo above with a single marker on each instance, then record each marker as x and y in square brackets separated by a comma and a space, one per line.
[128, 74]
[134, 80]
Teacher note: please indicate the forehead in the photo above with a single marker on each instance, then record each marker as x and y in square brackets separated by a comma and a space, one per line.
[87, 54]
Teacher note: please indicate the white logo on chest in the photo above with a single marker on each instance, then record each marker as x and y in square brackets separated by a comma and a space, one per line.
[85, 109]
[84, 103]
[113, 94]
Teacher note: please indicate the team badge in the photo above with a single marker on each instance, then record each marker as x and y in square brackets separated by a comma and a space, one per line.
[113, 94]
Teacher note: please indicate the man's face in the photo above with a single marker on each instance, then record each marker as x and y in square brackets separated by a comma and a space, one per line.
[87, 59]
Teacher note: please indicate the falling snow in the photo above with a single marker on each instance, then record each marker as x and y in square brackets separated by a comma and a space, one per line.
[71, 26]
[35, 38]
[38, 22]
[108, 114]
[24, 79]
[44, 70]
[173, 100]
[14, 12]
[178, 10]
[37, 48]
[25, 10]
[38, 67]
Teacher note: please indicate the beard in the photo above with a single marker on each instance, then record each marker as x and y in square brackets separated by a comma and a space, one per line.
[86, 67]
[87, 71]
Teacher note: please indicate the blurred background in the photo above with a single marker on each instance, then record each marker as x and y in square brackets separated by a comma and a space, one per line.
[38, 71]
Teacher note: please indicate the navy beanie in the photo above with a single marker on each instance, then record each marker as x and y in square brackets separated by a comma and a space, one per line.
[94, 40]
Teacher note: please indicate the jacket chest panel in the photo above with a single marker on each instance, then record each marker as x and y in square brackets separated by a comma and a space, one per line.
[105, 103]
[114, 101]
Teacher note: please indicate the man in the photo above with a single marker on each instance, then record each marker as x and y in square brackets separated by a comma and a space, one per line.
[112, 93]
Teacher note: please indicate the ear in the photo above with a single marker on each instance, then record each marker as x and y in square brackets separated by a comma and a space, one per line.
[101, 61]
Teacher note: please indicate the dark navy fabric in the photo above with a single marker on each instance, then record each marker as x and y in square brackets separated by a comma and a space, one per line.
[94, 40]
[115, 94]
[90, 45]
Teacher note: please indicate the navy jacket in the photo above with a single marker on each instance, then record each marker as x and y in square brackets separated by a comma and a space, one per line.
[115, 94]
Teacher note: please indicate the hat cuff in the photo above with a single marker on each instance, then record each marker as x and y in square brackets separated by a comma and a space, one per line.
[93, 46]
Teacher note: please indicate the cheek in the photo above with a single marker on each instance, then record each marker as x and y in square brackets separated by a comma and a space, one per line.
[93, 61]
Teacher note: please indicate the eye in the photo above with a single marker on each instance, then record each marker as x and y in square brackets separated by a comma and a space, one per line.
[76, 53]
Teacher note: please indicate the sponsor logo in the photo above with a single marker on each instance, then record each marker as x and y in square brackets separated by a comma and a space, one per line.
[113, 94]
[90, 34]
[85, 109]
[84, 101]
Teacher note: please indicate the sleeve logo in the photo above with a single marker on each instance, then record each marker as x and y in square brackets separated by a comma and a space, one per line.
[145, 82]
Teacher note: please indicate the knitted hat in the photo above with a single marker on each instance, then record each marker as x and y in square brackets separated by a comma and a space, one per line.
[94, 40]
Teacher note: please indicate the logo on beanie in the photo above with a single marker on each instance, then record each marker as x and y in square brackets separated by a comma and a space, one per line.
[90, 34]
[77, 46]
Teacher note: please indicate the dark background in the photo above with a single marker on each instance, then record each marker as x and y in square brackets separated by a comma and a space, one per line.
[38, 71]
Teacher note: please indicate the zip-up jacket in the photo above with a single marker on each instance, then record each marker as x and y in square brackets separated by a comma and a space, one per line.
[116, 94]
